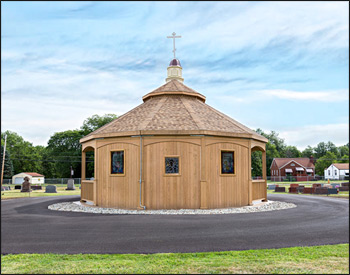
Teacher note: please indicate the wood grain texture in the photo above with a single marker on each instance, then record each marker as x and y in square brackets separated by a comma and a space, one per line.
[199, 183]
[259, 189]
[87, 190]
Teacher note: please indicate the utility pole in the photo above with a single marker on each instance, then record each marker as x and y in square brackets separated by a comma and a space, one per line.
[3, 161]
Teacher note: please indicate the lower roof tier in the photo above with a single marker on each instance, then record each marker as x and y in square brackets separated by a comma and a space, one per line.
[174, 114]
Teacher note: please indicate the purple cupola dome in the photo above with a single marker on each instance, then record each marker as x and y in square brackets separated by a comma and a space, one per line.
[175, 62]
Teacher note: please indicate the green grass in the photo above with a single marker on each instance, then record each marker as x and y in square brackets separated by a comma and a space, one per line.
[325, 259]
[12, 194]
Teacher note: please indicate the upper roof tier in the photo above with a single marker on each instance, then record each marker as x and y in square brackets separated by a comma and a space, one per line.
[174, 109]
[174, 87]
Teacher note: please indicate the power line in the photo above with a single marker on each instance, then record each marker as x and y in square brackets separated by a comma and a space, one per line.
[50, 160]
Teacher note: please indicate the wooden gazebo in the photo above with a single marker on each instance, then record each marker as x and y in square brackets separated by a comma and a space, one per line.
[173, 152]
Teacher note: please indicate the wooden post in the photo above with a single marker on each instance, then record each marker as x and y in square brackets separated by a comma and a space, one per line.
[95, 178]
[250, 184]
[203, 180]
[264, 172]
[3, 161]
[83, 164]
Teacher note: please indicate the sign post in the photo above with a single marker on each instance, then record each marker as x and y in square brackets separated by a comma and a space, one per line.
[3, 161]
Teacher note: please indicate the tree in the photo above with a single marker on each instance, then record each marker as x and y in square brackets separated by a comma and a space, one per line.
[292, 152]
[65, 150]
[94, 122]
[274, 139]
[307, 152]
[256, 164]
[324, 162]
[8, 165]
[320, 150]
[273, 148]
[332, 148]
[25, 157]
[344, 159]
[343, 150]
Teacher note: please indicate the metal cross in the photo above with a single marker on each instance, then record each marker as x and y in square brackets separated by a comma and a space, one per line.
[173, 37]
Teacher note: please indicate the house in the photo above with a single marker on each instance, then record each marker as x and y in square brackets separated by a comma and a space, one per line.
[173, 151]
[337, 171]
[34, 178]
[301, 168]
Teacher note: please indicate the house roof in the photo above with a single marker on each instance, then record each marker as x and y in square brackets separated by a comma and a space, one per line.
[342, 166]
[33, 174]
[174, 108]
[306, 162]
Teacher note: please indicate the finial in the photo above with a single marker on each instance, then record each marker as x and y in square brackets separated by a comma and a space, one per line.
[173, 37]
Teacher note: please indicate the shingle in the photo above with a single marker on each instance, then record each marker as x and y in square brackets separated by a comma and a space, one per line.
[174, 106]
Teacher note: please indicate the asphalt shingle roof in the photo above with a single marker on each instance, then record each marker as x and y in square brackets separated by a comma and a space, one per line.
[174, 106]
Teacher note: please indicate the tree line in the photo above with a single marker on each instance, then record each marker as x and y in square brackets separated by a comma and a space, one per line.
[63, 151]
[55, 160]
[324, 154]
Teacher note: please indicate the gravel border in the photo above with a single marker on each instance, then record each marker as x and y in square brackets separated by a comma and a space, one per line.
[261, 207]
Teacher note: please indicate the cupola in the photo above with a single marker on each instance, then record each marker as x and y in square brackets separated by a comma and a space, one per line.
[174, 71]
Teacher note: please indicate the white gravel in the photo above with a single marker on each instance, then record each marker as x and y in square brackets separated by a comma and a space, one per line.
[260, 207]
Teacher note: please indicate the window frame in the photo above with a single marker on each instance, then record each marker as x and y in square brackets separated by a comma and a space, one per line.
[110, 163]
[172, 174]
[234, 163]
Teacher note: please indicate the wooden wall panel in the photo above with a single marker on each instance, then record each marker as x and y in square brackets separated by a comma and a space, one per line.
[172, 191]
[87, 192]
[227, 190]
[259, 189]
[118, 191]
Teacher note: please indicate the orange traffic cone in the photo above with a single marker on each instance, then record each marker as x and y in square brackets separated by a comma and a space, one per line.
[328, 181]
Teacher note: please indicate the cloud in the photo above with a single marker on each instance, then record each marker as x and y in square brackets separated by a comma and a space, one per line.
[70, 60]
[325, 96]
[311, 135]
[286, 95]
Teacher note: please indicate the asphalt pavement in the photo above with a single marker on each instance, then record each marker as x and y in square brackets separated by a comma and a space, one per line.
[27, 226]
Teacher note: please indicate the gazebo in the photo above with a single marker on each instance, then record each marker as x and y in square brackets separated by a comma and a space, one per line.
[173, 151]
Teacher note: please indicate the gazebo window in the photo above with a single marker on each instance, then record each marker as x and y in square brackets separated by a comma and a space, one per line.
[171, 165]
[117, 163]
[227, 162]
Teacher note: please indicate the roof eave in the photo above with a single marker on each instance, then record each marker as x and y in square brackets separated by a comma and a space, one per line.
[173, 132]
[152, 94]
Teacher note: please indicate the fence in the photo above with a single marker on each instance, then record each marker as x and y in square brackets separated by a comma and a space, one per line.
[62, 181]
[294, 178]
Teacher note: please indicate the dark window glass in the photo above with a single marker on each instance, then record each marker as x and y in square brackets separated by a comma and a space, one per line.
[172, 165]
[227, 162]
[117, 162]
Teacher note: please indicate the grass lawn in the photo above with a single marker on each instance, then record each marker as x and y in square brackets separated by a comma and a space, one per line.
[12, 194]
[325, 259]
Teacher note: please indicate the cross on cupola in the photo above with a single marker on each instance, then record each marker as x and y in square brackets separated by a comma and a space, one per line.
[174, 69]
[173, 37]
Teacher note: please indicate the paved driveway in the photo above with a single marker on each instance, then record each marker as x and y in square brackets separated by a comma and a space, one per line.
[27, 226]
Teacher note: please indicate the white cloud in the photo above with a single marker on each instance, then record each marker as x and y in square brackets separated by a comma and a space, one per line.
[266, 95]
[326, 96]
[313, 134]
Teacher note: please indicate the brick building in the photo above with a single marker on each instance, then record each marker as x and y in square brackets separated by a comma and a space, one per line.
[301, 168]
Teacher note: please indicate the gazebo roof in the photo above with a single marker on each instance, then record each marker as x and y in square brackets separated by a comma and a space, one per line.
[174, 109]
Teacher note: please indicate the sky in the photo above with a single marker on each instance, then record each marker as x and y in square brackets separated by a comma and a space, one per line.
[277, 66]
